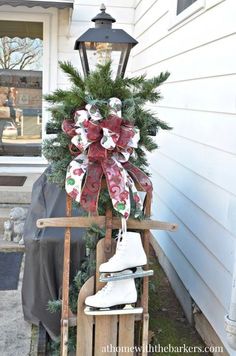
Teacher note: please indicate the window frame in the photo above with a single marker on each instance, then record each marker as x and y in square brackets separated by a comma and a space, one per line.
[49, 18]
[186, 13]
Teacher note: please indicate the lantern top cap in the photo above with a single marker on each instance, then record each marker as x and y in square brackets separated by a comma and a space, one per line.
[103, 16]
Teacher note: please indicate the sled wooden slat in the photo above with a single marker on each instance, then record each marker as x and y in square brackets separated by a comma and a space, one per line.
[73, 319]
[145, 334]
[146, 237]
[65, 284]
[145, 294]
[101, 222]
[105, 326]
[103, 256]
[105, 334]
[126, 334]
[84, 343]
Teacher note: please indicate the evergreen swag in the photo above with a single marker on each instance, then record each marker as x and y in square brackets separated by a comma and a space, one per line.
[96, 89]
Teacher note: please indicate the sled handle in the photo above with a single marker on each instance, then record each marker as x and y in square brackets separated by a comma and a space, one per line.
[101, 221]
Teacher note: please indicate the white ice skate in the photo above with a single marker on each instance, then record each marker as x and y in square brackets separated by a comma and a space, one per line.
[129, 255]
[115, 298]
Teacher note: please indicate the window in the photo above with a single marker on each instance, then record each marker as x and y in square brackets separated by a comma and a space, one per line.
[181, 10]
[43, 25]
[21, 58]
[183, 4]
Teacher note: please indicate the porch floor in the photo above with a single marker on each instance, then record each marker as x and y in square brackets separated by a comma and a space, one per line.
[15, 332]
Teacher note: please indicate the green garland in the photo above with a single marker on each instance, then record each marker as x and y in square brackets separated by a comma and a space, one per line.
[96, 89]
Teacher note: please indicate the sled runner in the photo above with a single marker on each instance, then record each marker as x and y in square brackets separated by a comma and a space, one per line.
[138, 273]
[127, 309]
[96, 329]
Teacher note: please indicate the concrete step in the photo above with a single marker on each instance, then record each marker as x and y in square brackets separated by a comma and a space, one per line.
[9, 246]
[18, 195]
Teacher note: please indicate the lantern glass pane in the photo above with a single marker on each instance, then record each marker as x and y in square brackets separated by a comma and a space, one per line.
[83, 58]
[101, 53]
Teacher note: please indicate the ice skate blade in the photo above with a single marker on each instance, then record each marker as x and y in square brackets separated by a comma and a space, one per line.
[118, 277]
[128, 309]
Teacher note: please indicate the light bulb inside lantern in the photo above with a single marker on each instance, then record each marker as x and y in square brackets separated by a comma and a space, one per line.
[103, 54]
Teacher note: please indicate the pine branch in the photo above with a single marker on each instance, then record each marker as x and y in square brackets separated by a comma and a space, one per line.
[54, 306]
[73, 97]
[72, 73]
[99, 83]
[135, 82]
[163, 125]
[147, 90]
[157, 81]
[58, 96]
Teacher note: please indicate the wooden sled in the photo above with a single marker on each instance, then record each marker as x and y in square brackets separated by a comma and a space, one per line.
[104, 334]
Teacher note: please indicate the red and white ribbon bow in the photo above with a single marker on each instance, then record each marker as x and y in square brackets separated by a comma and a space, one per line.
[104, 146]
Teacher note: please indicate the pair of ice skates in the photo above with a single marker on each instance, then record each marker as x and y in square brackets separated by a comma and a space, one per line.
[118, 295]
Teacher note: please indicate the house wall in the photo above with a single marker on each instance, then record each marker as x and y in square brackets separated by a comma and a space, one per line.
[193, 171]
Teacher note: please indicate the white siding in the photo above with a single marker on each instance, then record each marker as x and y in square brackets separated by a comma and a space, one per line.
[194, 170]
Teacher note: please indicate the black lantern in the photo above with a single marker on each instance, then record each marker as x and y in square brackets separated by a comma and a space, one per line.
[103, 43]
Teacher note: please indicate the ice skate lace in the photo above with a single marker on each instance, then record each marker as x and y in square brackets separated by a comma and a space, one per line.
[106, 289]
[121, 239]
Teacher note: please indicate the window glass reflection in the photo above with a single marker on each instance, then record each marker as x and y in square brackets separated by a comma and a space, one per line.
[20, 96]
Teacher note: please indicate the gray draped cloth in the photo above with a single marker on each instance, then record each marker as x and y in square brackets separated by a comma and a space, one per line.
[42, 279]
